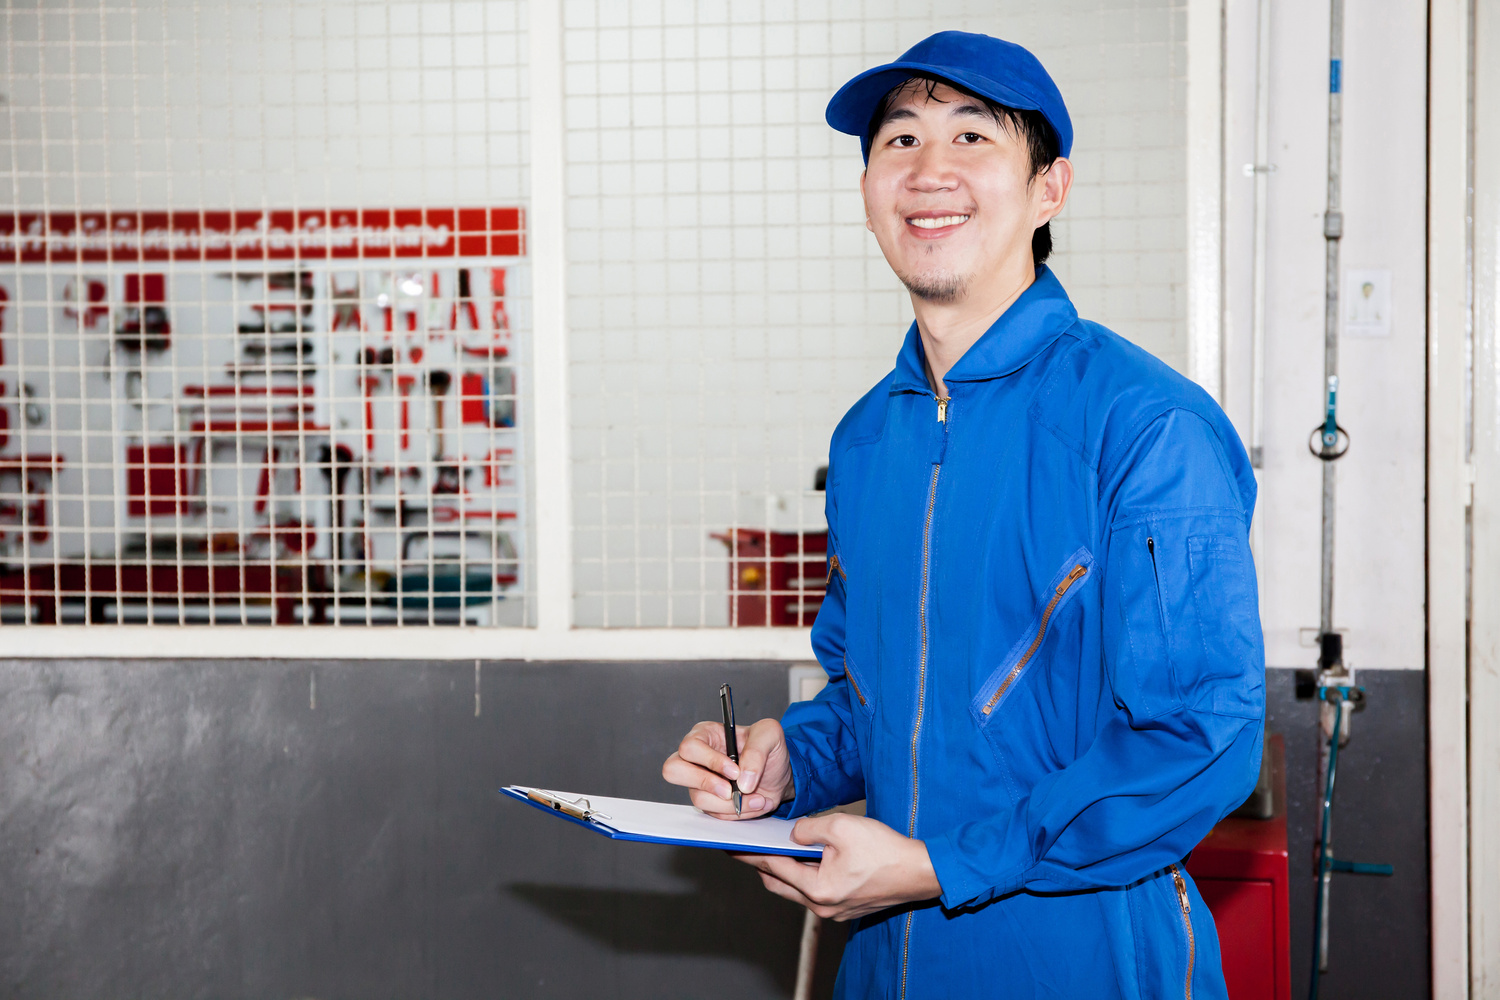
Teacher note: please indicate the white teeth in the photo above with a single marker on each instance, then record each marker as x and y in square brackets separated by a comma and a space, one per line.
[940, 222]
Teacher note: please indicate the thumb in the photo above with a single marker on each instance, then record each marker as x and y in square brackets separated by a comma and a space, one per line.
[761, 741]
[812, 830]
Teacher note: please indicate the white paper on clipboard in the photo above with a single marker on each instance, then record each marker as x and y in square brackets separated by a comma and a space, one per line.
[674, 823]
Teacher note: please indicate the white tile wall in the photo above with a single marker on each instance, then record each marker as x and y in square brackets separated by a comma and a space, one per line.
[726, 303]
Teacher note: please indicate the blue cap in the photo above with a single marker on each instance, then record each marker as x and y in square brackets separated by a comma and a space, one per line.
[1001, 71]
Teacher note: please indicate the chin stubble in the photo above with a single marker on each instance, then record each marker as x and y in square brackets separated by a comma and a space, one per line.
[943, 290]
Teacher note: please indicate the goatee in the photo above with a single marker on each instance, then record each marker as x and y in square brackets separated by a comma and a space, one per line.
[941, 290]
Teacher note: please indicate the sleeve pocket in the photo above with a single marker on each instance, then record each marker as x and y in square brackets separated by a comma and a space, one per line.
[1226, 604]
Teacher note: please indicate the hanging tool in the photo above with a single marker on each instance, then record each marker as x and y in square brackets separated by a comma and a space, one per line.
[265, 347]
[438, 382]
[88, 304]
[32, 410]
[498, 345]
[464, 301]
[405, 382]
[499, 320]
[344, 292]
[144, 325]
[369, 381]
[474, 398]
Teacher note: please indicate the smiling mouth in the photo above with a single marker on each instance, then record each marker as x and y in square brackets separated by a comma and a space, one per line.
[941, 222]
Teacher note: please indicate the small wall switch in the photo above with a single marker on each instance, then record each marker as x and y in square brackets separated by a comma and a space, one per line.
[1366, 304]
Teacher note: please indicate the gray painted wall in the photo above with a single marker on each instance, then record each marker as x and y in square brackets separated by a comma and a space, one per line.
[180, 828]
[1378, 945]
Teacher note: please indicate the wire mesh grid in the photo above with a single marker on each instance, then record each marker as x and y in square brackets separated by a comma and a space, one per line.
[211, 414]
[263, 313]
[726, 304]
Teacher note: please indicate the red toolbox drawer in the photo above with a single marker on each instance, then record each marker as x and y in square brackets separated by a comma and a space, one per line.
[1241, 871]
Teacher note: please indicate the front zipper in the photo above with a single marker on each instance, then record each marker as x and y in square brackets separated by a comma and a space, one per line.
[1041, 633]
[911, 826]
[942, 402]
[1187, 922]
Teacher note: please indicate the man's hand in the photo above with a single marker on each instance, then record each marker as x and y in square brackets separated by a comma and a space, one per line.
[866, 867]
[764, 772]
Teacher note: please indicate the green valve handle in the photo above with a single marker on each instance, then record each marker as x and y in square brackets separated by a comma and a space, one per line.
[1328, 441]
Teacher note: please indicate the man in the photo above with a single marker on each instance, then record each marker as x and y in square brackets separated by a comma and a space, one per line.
[1041, 632]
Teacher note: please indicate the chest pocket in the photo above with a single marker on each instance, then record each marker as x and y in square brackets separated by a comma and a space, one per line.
[1070, 580]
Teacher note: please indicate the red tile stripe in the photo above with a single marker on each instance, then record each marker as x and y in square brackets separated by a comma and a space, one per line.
[303, 234]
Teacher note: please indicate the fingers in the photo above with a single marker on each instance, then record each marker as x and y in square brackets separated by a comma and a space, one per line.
[780, 888]
[679, 772]
[722, 807]
[800, 875]
[699, 762]
[704, 746]
[761, 740]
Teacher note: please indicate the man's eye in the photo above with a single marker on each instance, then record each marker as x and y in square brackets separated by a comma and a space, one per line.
[905, 140]
[972, 137]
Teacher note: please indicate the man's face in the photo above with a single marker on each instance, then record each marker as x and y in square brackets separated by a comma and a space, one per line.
[949, 193]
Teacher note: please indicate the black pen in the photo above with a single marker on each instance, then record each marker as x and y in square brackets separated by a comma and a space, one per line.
[726, 702]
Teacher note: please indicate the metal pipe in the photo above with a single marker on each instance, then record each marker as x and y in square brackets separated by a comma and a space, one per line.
[1331, 658]
[1333, 231]
[1325, 853]
[1261, 171]
[807, 955]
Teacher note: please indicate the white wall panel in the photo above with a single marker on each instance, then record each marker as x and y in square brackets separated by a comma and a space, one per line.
[1379, 542]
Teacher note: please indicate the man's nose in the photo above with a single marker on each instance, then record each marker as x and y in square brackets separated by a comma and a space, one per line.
[933, 169]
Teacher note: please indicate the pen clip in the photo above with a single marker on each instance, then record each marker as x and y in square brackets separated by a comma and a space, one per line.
[578, 808]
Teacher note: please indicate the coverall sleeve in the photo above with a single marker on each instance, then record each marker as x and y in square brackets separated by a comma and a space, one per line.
[820, 738]
[1184, 659]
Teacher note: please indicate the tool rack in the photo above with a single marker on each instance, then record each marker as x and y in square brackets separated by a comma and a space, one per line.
[301, 441]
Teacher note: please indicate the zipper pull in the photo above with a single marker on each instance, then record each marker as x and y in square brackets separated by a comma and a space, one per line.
[942, 402]
[1182, 896]
[1078, 571]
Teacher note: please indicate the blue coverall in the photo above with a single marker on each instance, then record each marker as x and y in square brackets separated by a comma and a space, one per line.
[1044, 659]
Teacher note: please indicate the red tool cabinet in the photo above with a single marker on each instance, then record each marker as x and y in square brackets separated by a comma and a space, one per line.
[776, 577]
[1241, 871]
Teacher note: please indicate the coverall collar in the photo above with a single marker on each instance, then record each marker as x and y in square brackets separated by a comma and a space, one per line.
[1023, 331]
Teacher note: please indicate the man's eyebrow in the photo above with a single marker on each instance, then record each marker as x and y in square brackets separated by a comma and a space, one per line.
[896, 114]
[968, 109]
[971, 110]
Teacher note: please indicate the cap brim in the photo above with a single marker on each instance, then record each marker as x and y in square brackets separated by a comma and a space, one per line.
[851, 108]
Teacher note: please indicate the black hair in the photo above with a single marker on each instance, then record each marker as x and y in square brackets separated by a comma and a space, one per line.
[1031, 127]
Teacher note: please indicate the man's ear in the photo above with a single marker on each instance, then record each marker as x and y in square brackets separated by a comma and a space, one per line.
[1056, 182]
[865, 201]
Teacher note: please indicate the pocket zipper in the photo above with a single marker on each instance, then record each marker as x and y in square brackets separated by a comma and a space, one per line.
[1041, 633]
[834, 567]
[1187, 922]
[852, 682]
[1156, 578]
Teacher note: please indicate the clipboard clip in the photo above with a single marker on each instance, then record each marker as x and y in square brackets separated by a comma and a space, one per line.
[578, 808]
